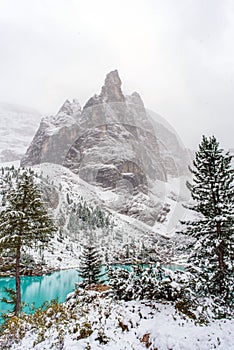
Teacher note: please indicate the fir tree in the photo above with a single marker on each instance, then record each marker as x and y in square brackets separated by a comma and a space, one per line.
[212, 189]
[24, 221]
[90, 264]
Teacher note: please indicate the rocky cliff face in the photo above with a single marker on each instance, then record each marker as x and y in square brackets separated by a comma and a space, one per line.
[113, 143]
[110, 153]
[54, 136]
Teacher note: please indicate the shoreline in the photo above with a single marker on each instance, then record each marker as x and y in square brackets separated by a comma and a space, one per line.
[51, 270]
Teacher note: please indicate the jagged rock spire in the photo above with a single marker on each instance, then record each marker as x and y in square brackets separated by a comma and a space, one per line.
[111, 91]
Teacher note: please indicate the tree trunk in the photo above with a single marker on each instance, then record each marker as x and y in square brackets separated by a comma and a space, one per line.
[221, 259]
[220, 247]
[17, 280]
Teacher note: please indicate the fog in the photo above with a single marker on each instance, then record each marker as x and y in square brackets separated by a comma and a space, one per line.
[177, 54]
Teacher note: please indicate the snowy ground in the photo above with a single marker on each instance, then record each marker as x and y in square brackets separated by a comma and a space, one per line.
[60, 255]
[105, 324]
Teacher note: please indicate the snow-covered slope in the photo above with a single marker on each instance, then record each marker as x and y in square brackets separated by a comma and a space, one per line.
[125, 233]
[109, 325]
[18, 125]
[127, 237]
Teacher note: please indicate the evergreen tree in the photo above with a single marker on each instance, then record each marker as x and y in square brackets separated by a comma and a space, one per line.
[90, 264]
[152, 283]
[24, 221]
[87, 217]
[212, 189]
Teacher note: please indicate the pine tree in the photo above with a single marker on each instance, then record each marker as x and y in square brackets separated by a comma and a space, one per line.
[90, 264]
[212, 189]
[24, 221]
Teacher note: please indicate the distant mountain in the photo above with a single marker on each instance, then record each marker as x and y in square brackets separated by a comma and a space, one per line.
[18, 125]
[112, 136]
[116, 144]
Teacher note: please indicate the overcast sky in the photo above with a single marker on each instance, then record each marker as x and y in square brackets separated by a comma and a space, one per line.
[178, 54]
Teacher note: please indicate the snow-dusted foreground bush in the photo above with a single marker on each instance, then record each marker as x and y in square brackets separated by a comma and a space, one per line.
[93, 320]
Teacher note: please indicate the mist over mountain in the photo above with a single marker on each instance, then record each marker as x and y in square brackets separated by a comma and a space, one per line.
[18, 125]
[115, 127]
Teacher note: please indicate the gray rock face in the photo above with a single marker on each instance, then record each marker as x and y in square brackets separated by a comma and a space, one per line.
[110, 153]
[111, 91]
[54, 136]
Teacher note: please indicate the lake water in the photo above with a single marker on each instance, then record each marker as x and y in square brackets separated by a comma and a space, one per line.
[38, 289]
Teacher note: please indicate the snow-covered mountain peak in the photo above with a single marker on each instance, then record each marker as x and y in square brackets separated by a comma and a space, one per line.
[67, 116]
[70, 107]
[112, 143]
[135, 99]
[110, 93]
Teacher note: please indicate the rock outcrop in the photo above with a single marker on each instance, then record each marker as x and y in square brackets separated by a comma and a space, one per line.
[54, 136]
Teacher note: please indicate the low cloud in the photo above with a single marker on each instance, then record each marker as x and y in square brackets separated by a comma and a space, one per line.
[177, 54]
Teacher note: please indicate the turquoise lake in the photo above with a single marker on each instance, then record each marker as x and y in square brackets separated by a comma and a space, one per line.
[38, 289]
